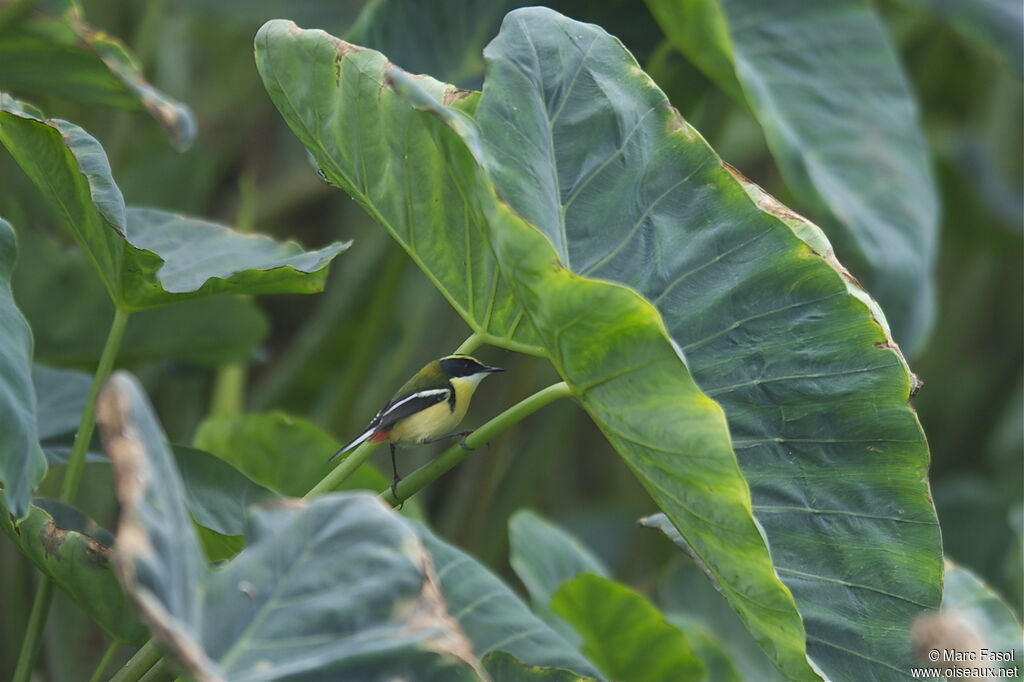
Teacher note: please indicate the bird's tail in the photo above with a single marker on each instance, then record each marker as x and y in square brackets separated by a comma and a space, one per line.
[362, 437]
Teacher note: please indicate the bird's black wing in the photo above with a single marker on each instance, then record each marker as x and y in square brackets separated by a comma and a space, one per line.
[408, 404]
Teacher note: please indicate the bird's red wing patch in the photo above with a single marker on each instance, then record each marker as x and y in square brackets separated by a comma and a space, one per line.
[380, 436]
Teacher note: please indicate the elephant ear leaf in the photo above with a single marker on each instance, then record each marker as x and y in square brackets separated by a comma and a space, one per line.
[771, 326]
[590, 189]
[22, 463]
[607, 342]
[147, 257]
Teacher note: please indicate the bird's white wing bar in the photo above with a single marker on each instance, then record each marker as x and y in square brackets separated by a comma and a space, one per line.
[433, 395]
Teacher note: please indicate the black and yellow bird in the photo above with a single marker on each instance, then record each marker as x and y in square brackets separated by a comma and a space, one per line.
[427, 407]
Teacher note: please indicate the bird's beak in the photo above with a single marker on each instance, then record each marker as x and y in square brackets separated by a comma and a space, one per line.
[494, 369]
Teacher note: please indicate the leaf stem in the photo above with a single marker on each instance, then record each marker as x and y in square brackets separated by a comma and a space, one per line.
[101, 667]
[139, 664]
[68, 489]
[474, 341]
[417, 480]
[76, 461]
[342, 471]
[34, 631]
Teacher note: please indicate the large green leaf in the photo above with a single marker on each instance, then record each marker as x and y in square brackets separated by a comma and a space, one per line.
[286, 607]
[75, 553]
[284, 453]
[771, 325]
[826, 85]
[333, 105]
[606, 341]
[624, 633]
[147, 257]
[493, 616]
[53, 51]
[208, 331]
[22, 464]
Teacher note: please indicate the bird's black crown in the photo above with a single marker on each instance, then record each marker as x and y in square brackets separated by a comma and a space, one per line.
[464, 366]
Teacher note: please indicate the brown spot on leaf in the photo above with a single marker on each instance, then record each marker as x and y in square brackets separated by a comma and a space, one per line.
[454, 94]
[52, 537]
[430, 612]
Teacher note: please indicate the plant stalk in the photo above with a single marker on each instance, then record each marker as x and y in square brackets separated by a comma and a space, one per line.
[419, 479]
[474, 341]
[101, 667]
[83, 436]
[139, 664]
[68, 490]
[343, 470]
[34, 631]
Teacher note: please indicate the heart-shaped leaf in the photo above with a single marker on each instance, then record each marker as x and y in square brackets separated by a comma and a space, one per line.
[147, 257]
[826, 85]
[51, 50]
[22, 463]
[74, 552]
[286, 606]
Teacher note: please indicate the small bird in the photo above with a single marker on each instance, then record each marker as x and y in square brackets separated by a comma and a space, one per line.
[433, 402]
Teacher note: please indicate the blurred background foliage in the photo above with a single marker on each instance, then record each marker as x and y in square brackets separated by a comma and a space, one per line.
[334, 357]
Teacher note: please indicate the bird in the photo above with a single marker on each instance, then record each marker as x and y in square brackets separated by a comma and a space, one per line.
[430, 404]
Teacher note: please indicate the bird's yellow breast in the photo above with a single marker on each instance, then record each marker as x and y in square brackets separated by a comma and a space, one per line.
[438, 419]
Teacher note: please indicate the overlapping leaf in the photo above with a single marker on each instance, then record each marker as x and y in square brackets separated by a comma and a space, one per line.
[624, 633]
[286, 606]
[581, 144]
[494, 618]
[75, 553]
[22, 464]
[771, 325]
[826, 85]
[208, 331]
[544, 556]
[333, 105]
[147, 257]
[284, 453]
[606, 341]
[51, 50]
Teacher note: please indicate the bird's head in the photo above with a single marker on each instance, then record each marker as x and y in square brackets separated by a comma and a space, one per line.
[466, 368]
